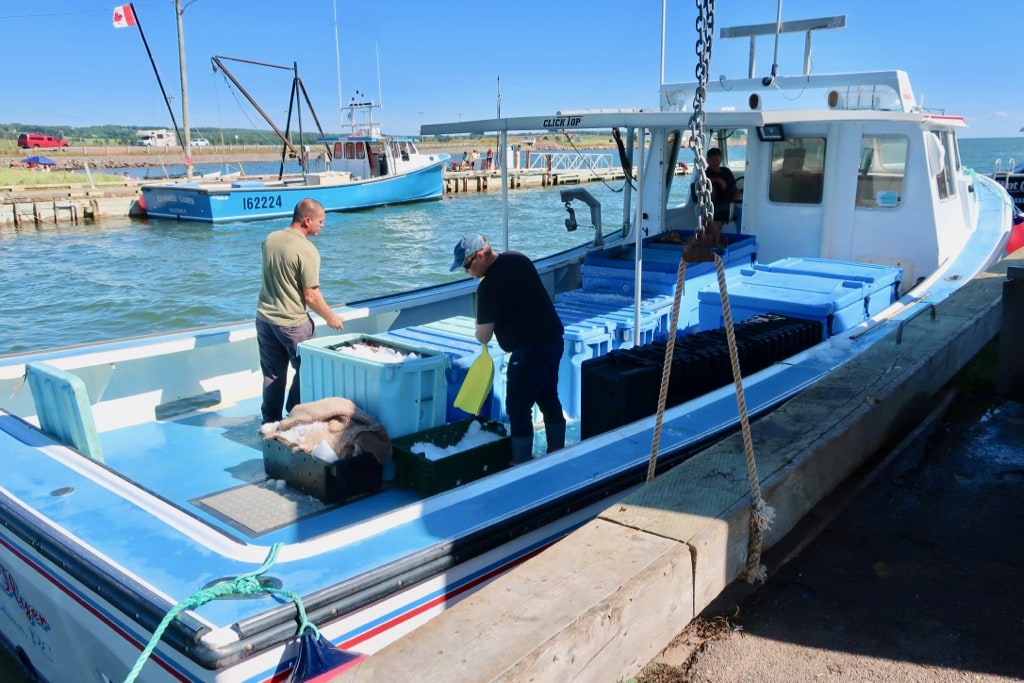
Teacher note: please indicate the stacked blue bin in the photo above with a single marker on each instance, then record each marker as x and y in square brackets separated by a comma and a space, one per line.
[613, 271]
[450, 337]
[881, 283]
[617, 312]
[837, 303]
[584, 339]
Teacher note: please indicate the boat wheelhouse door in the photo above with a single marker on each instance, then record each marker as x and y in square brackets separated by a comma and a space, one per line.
[380, 163]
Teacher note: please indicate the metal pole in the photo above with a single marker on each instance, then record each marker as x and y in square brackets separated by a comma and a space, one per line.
[145, 44]
[187, 143]
[503, 142]
[638, 233]
[337, 60]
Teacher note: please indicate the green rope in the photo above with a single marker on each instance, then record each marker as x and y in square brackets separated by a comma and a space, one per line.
[245, 584]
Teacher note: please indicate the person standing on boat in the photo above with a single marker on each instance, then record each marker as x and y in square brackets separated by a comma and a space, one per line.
[290, 289]
[513, 306]
[723, 185]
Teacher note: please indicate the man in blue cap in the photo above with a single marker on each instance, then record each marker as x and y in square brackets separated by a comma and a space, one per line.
[513, 305]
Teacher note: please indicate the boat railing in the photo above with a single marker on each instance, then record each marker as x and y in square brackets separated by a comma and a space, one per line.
[1011, 164]
[571, 161]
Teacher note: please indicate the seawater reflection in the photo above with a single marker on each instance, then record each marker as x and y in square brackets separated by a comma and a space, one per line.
[67, 284]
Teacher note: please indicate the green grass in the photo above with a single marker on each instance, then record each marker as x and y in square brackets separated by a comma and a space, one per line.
[33, 176]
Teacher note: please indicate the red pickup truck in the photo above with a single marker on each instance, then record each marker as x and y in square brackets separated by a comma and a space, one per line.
[36, 140]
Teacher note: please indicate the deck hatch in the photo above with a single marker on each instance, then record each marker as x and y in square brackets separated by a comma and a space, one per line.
[261, 507]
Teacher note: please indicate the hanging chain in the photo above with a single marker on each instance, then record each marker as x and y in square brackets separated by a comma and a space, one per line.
[702, 184]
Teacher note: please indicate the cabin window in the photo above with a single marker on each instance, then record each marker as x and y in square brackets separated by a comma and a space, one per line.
[350, 150]
[883, 159]
[943, 163]
[360, 151]
[798, 167]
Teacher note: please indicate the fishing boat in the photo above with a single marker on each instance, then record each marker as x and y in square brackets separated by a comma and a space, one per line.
[137, 478]
[359, 169]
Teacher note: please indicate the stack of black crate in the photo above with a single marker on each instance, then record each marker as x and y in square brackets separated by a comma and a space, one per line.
[623, 385]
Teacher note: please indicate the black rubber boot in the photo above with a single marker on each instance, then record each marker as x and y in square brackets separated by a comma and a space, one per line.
[522, 449]
[556, 436]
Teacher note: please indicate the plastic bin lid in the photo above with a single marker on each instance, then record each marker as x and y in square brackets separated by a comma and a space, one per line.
[871, 273]
[786, 292]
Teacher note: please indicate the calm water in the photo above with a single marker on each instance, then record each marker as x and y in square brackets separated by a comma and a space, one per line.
[68, 285]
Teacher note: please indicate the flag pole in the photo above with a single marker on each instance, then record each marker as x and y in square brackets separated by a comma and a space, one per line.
[170, 110]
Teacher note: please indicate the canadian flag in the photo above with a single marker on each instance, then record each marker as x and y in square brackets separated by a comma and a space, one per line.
[123, 16]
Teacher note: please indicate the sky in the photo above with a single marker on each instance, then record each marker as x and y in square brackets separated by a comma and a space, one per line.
[430, 61]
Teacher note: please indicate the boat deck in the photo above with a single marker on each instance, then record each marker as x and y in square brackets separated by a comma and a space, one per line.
[234, 492]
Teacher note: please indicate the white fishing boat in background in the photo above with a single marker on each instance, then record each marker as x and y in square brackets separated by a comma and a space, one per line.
[1012, 178]
[136, 477]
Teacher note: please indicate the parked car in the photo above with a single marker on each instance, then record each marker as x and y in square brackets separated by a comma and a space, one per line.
[36, 140]
[200, 142]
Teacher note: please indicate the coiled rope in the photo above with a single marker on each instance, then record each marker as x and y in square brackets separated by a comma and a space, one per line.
[245, 584]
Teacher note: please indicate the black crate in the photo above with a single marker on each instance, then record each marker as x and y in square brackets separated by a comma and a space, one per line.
[414, 470]
[623, 385]
[337, 482]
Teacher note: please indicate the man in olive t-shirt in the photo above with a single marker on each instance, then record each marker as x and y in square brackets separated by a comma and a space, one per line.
[290, 288]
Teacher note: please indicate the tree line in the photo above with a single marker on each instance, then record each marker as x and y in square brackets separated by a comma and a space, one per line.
[111, 134]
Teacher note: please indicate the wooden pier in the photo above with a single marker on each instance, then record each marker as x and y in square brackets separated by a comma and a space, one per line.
[22, 207]
[460, 182]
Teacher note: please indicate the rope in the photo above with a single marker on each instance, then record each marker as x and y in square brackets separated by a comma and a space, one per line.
[245, 584]
[666, 369]
[703, 243]
[761, 514]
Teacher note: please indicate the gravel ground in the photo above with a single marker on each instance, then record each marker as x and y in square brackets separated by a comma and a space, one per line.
[917, 581]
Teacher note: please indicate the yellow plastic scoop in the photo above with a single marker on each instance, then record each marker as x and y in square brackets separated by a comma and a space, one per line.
[477, 384]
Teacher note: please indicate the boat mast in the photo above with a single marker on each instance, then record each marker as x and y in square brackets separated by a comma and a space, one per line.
[337, 60]
[187, 143]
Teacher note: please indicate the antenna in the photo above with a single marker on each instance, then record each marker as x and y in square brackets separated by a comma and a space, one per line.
[380, 94]
[337, 59]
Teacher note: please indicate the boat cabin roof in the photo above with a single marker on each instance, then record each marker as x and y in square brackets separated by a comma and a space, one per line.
[602, 119]
[863, 96]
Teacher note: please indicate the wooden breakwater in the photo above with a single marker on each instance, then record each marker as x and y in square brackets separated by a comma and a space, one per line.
[26, 207]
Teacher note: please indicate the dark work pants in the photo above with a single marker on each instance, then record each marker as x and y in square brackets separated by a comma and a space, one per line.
[278, 348]
[532, 377]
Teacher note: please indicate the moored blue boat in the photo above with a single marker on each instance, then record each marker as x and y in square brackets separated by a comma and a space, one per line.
[357, 170]
[421, 178]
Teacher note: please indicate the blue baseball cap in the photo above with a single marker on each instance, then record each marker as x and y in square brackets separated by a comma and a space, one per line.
[466, 247]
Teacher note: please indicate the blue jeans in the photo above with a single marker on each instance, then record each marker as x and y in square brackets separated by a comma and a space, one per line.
[278, 348]
[532, 377]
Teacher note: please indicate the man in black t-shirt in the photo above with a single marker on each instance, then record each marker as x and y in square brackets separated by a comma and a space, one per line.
[513, 306]
[723, 185]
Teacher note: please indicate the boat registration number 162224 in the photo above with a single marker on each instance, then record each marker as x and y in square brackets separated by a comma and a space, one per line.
[260, 202]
